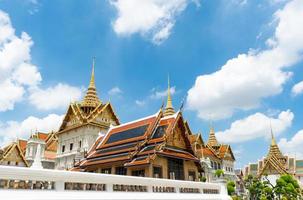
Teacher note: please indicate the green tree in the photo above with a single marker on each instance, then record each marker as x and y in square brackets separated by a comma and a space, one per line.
[286, 188]
[231, 187]
[219, 173]
[258, 189]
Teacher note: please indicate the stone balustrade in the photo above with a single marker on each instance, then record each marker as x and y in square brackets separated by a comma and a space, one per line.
[27, 183]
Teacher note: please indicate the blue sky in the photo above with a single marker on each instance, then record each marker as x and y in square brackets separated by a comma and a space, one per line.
[137, 44]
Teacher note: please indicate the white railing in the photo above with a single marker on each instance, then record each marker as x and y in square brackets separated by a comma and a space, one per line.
[27, 183]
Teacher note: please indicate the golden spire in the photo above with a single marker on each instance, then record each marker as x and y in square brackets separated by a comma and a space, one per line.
[274, 148]
[91, 98]
[169, 109]
[212, 140]
[273, 141]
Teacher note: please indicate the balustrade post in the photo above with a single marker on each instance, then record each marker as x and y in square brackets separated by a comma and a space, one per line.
[149, 188]
[109, 187]
[59, 186]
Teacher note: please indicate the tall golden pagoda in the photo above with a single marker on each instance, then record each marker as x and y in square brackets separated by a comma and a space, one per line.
[169, 109]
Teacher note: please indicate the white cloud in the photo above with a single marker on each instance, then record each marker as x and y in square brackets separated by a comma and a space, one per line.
[255, 126]
[140, 103]
[115, 91]
[13, 129]
[153, 19]
[161, 94]
[16, 70]
[293, 146]
[55, 97]
[297, 89]
[244, 81]
[18, 76]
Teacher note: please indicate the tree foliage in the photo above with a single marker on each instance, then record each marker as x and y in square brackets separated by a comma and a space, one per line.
[231, 187]
[286, 188]
[219, 173]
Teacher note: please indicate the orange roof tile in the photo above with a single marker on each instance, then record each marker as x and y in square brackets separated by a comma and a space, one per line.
[22, 144]
[42, 136]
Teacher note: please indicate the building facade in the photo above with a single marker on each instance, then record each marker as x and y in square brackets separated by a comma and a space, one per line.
[81, 126]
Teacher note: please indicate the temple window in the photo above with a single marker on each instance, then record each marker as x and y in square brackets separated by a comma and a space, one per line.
[71, 146]
[140, 173]
[175, 169]
[121, 171]
[157, 172]
[63, 148]
[80, 143]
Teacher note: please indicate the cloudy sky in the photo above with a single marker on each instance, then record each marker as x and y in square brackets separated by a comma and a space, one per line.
[237, 63]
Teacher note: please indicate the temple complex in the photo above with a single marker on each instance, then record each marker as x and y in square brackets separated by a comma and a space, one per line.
[83, 123]
[153, 146]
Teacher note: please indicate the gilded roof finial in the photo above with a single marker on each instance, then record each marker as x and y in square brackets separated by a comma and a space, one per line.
[91, 98]
[92, 78]
[169, 109]
[273, 141]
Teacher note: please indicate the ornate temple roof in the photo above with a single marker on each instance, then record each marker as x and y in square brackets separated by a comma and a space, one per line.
[86, 111]
[274, 159]
[139, 142]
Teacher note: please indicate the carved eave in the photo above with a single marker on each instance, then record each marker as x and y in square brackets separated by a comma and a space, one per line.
[212, 150]
[229, 150]
[72, 109]
[180, 121]
[101, 108]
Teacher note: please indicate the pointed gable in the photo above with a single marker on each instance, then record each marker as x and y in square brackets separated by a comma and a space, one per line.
[13, 153]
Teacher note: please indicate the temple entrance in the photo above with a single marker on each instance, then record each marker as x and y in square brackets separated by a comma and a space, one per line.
[175, 169]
